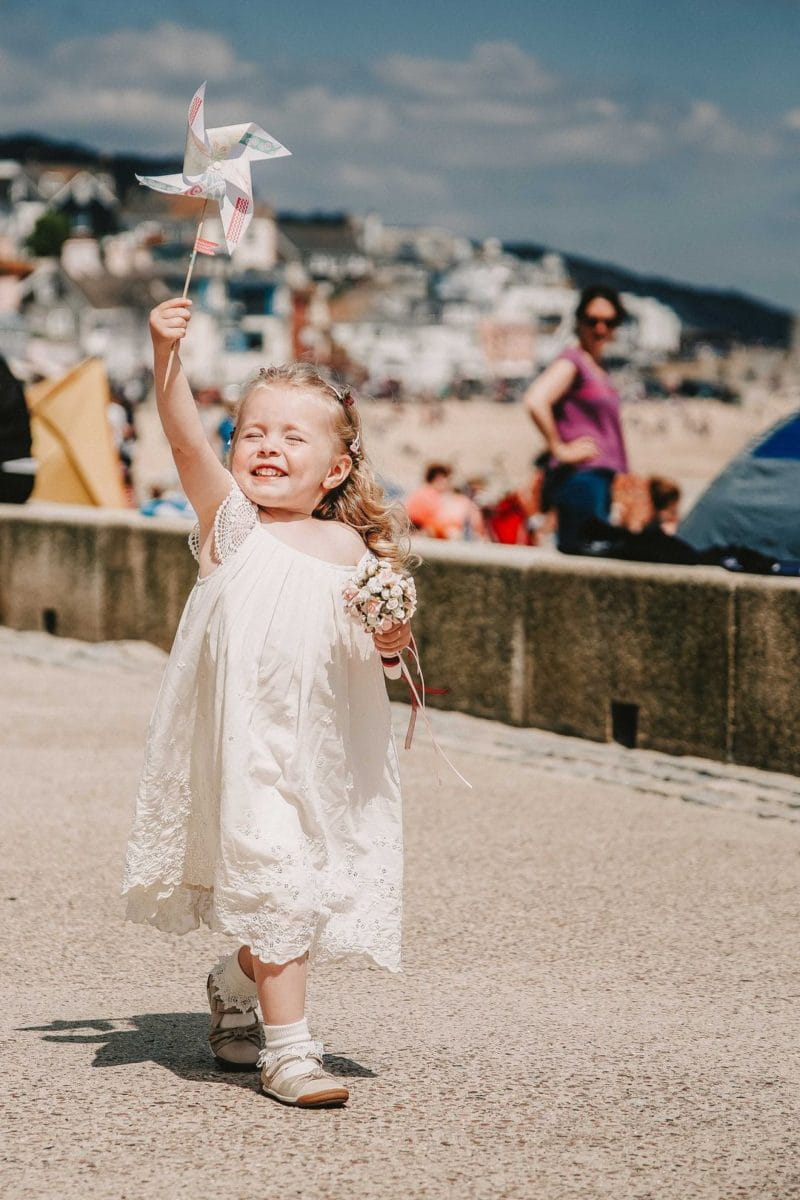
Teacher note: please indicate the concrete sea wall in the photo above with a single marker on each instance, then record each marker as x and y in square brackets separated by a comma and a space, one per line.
[683, 660]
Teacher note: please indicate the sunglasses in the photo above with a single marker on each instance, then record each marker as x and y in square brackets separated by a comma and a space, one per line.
[596, 322]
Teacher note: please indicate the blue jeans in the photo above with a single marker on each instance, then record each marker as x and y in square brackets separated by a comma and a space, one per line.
[583, 494]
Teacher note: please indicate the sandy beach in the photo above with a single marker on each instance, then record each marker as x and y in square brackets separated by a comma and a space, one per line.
[689, 440]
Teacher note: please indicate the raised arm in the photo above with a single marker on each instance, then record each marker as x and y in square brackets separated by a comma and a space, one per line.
[203, 478]
[540, 399]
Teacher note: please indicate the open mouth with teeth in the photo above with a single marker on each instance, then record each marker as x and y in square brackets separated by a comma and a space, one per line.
[268, 472]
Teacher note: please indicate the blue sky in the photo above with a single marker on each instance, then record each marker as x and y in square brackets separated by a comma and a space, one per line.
[665, 137]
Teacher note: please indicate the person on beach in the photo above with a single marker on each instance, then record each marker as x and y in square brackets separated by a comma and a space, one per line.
[437, 510]
[16, 466]
[665, 498]
[576, 407]
[423, 504]
[269, 806]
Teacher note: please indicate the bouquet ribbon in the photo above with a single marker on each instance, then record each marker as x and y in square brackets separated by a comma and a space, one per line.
[418, 706]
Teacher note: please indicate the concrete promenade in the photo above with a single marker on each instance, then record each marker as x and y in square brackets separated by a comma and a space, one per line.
[601, 993]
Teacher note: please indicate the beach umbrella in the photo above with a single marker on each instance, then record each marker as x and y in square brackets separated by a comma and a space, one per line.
[755, 500]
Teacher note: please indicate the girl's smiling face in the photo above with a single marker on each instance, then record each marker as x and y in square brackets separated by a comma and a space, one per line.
[285, 455]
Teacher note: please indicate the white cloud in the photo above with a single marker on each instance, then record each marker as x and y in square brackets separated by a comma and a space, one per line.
[599, 106]
[612, 141]
[124, 88]
[322, 115]
[65, 110]
[494, 142]
[373, 183]
[165, 55]
[481, 112]
[498, 108]
[706, 127]
[494, 69]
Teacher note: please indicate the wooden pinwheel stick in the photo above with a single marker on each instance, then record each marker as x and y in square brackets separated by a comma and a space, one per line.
[187, 281]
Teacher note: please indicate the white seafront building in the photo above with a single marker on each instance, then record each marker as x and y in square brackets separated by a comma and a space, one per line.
[429, 308]
[491, 317]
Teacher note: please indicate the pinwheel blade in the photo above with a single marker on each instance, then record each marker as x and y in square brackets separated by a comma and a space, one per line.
[197, 154]
[236, 210]
[166, 183]
[260, 144]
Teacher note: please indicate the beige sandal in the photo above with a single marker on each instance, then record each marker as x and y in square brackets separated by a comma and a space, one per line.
[235, 1044]
[296, 1076]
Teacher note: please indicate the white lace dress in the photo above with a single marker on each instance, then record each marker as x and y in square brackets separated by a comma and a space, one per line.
[269, 805]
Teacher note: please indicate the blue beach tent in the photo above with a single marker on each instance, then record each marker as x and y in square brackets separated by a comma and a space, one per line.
[755, 501]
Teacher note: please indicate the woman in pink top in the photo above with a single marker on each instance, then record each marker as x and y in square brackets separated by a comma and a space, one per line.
[577, 409]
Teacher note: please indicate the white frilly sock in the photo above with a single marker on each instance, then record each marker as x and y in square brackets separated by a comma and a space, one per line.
[281, 1039]
[235, 990]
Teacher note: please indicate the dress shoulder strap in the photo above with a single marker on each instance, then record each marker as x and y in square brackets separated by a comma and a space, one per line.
[233, 521]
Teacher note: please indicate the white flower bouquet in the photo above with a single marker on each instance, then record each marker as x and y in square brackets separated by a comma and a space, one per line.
[379, 597]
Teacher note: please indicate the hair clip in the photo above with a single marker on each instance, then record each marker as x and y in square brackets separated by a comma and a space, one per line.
[347, 398]
[355, 445]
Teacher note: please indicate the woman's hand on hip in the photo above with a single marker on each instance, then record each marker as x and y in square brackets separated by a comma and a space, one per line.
[580, 450]
[394, 640]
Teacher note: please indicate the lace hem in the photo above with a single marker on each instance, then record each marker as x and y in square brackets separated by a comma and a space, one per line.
[182, 909]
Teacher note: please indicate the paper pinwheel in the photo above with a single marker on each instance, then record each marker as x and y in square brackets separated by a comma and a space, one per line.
[216, 166]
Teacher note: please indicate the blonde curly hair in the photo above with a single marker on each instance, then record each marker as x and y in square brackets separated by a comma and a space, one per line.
[359, 501]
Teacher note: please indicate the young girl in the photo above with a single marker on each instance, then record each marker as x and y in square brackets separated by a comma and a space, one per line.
[269, 806]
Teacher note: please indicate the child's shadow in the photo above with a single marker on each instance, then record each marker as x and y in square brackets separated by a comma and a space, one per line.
[176, 1041]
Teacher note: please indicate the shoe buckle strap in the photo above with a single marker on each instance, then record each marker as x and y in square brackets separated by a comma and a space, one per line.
[237, 1033]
